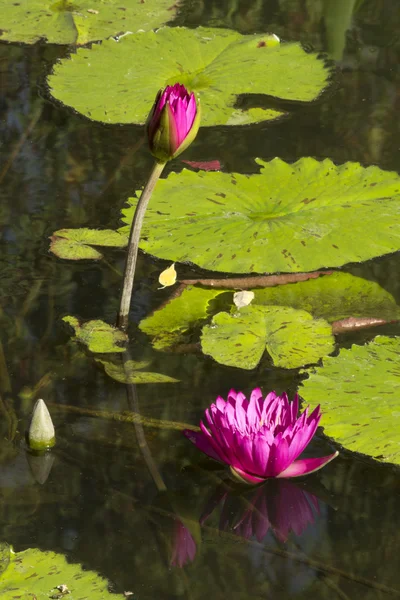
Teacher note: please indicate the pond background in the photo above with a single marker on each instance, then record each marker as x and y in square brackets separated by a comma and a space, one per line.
[99, 504]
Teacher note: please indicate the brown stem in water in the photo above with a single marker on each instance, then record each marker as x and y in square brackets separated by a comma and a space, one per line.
[131, 417]
[20, 143]
[245, 283]
[133, 401]
[123, 162]
[133, 245]
[355, 323]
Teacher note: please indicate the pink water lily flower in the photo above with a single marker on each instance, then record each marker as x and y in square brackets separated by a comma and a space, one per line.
[259, 438]
[173, 122]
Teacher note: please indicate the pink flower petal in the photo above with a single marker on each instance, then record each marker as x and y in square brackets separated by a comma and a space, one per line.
[191, 111]
[202, 442]
[260, 457]
[305, 466]
[246, 477]
[224, 452]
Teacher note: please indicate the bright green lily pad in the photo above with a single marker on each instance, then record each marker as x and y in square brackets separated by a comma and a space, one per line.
[291, 337]
[359, 393]
[289, 217]
[218, 64]
[80, 21]
[4, 556]
[168, 325]
[35, 574]
[76, 244]
[98, 336]
[130, 372]
[333, 297]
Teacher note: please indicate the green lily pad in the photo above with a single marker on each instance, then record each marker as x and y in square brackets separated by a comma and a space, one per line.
[168, 325]
[130, 373]
[98, 336]
[80, 21]
[74, 244]
[333, 297]
[4, 556]
[291, 337]
[36, 574]
[359, 393]
[289, 217]
[218, 64]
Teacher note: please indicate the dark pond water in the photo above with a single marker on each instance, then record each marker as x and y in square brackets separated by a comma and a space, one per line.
[335, 538]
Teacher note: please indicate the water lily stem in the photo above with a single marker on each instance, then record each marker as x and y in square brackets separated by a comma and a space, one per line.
[133, 245]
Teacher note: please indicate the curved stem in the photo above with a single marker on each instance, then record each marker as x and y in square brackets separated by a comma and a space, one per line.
[133, 245]
[133, 401]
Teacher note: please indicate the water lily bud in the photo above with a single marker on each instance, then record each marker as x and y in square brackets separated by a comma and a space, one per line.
[173, 122]
[41, 435]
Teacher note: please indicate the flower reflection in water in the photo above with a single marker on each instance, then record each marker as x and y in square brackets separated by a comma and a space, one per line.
[184, 546]
[278, 506]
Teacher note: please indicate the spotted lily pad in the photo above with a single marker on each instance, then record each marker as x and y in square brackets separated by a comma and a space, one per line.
[291, 337]
[98, 336]
[77, 244]
[79, 21]
[217, 64]
[359, 391]
[333, 297]
[289, 217]
[39, 575]
[130, 372]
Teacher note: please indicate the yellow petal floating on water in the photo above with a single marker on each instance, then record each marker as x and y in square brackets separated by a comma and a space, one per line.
[167, 277]
[241, 299]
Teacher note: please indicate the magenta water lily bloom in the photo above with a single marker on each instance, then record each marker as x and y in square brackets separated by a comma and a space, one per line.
[259, 438]
[173, 122]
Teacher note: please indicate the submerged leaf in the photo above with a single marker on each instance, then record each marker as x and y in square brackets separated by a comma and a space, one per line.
[129, 372]
[291, 337]
[360, 391]
[288, 218]
[340, 298]
[218, 64]
[168, 325]
[333, 297]
[80, 21]
[76, 244]
[36, 574]
[98, 336]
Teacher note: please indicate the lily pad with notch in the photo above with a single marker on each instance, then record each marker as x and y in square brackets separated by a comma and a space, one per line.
[77, 244]
[131, 372]
[292, 338]
[360, 391]
[217, 64]
[79, 21]
[33, 573]
[98, 336]
[287, 218]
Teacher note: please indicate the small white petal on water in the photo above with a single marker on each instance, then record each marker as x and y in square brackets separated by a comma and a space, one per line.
[243, 298]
